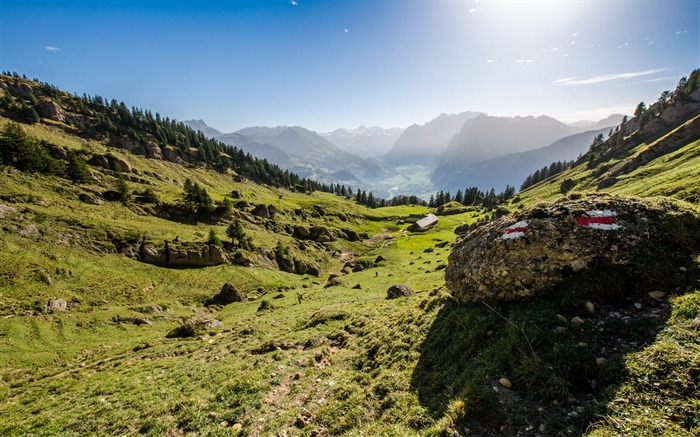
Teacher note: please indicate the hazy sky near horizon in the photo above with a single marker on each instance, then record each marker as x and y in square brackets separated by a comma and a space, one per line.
[324, 64]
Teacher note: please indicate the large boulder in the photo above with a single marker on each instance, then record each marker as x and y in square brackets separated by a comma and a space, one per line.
[321, 234]
[228, 294]
[396, 291]
[261, 211]
[643, 240]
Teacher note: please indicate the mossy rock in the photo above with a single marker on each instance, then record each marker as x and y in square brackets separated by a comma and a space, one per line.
[636, 241]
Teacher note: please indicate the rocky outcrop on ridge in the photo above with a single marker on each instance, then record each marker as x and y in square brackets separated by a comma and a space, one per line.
[210, 255]
[645, 240]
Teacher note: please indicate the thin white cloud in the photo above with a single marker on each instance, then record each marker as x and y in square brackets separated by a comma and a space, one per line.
[346, 30]
[575, 34]
[623, 45]
[52, 49]
[524, 61]
[472, 11]
[681, 32]
[490, 61]
[293, 2]
[605, 77]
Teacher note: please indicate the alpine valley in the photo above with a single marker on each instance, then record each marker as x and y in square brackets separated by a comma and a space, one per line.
[163, 278]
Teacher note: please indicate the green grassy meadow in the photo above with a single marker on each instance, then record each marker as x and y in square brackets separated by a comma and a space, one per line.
[343, 360]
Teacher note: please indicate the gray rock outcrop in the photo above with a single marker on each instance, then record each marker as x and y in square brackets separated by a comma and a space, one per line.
[518, 257]
[210, 255]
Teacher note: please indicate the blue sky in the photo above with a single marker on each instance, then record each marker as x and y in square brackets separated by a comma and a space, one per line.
[324, 64]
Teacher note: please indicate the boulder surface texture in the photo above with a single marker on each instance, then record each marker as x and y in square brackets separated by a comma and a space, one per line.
[646, 240]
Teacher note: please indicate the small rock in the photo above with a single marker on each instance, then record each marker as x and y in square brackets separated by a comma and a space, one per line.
[590, 307]
[505, 382]
[577, 321]
[562, 318]
[657, 294]
[600, 361]
[212, 415]
[223, 424]
[638, 305]
[55, 305]
[237, 427]
[302, 421]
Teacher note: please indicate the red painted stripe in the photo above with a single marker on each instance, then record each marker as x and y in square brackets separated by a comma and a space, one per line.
[583, 221]
[518, 229]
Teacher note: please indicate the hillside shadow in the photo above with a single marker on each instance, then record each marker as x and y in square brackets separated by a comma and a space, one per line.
[563, 370]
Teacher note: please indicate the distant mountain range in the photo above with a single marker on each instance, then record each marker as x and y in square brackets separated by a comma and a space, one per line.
[486, 137]
[513, 168]
[303, 152]
[368, 142]
[426, 142]
[456, 150]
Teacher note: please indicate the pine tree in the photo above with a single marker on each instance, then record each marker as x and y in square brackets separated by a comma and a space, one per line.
[77, 169]
[238, 235]
[213, 238]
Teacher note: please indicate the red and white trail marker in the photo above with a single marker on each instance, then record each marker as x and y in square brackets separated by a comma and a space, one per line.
[596, 219]
[515, 231]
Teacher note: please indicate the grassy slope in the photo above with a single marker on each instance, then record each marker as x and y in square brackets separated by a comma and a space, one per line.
[343, 361]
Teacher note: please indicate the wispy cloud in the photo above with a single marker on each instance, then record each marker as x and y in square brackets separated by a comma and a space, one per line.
[346, 30]
[472, 11]
[52, 49]
[681, 32]
[524, 61]
[623, 45]
[490, 61]
[293, 2]
[605, 77]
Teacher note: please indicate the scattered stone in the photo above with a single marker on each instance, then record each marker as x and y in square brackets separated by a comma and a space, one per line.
[357, 287]
[55, 305]
[90, 199]
[429, 250]
[379, 259]
[638, 305]
[302, 421]
[657, 294]
[505, 382]
[577, 321]
[236, 427]
[45, 277]
[396, 291]
[600, 361]
[590, 307]
[138, 321]
[30, 231]
[7, 211]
